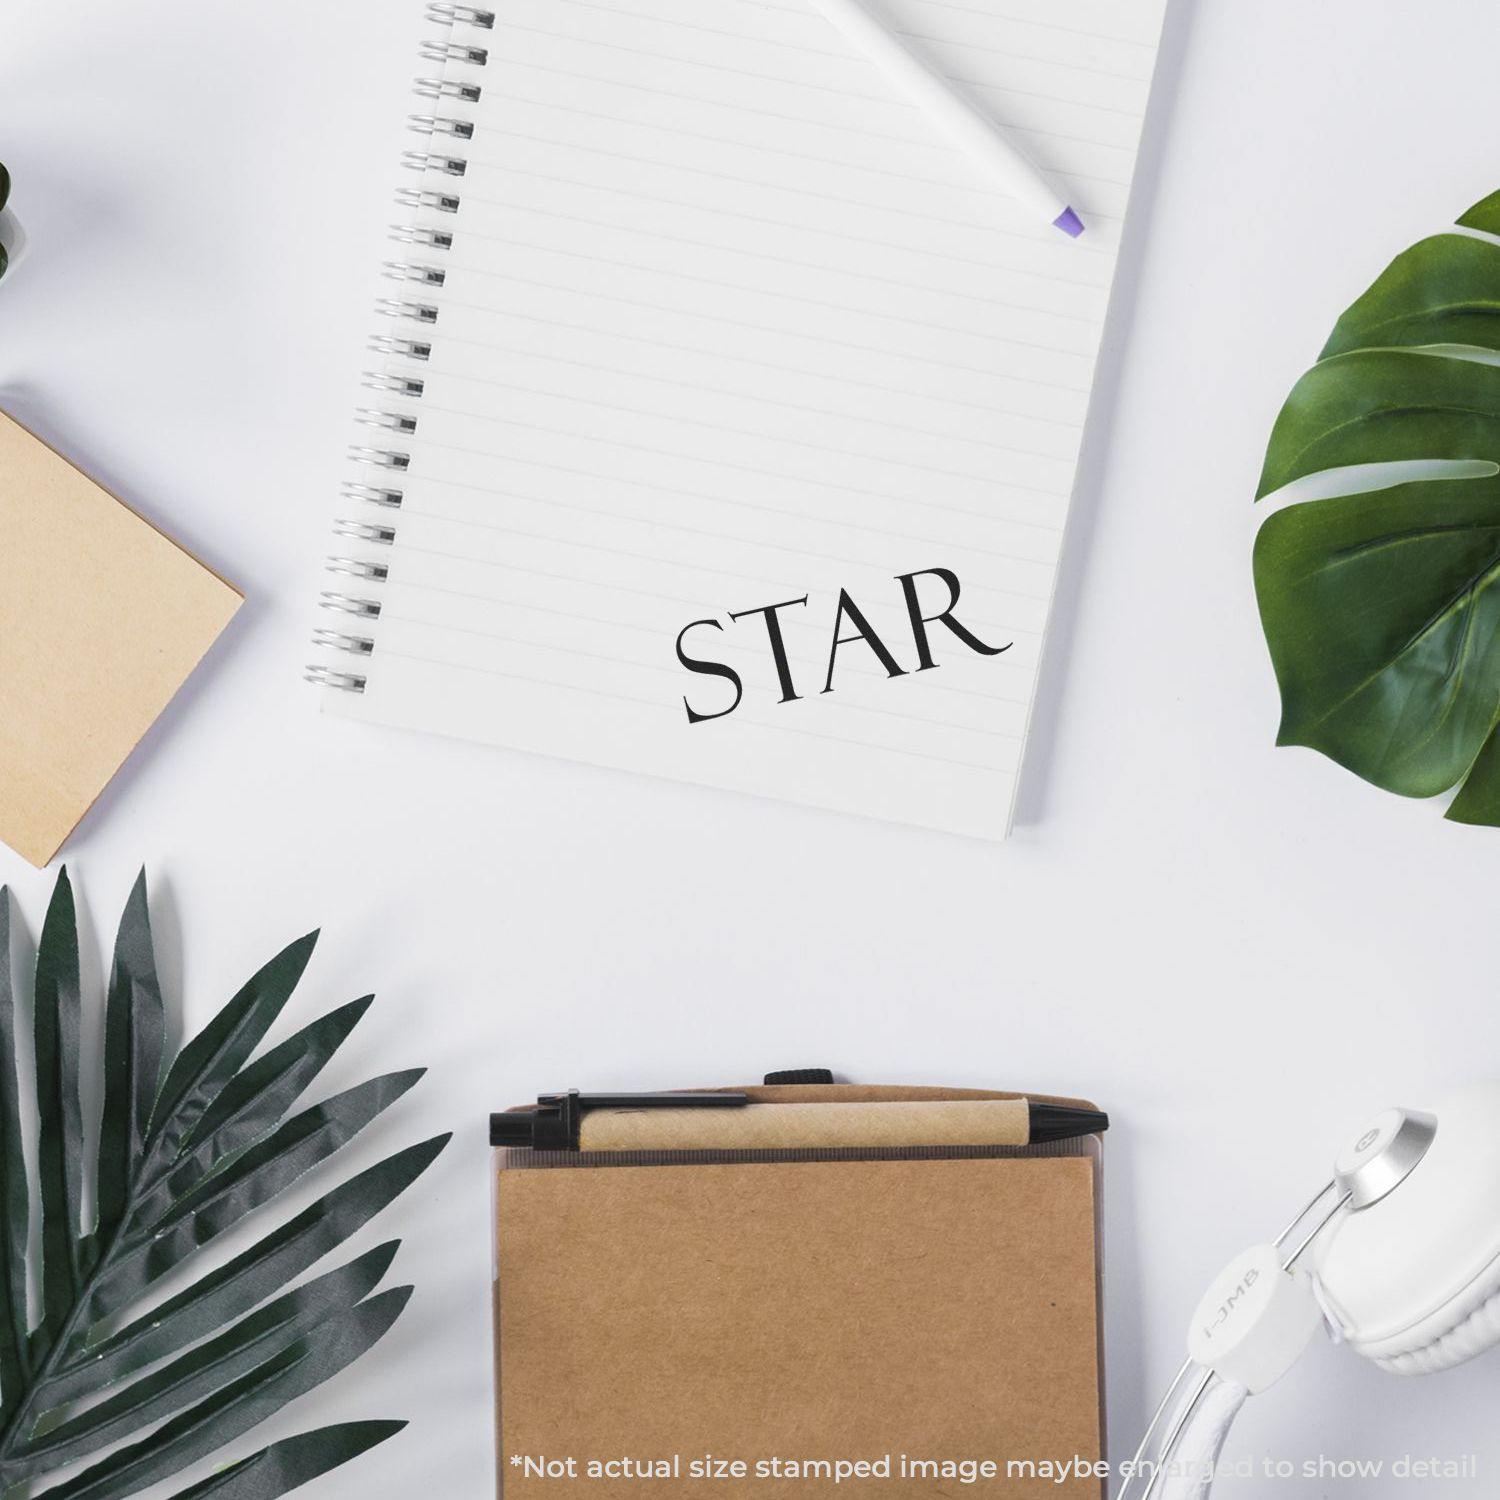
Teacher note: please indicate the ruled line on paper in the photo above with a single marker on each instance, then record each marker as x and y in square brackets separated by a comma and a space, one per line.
[804, 12]
[927, 325]
[905, 392]
[719, 535]
[843, 705]
[797, 406]
[845, 164]
[1058, 495]
[777, 439]
[505, 310]
[755, 578]
[789, 624]
[770, 114]
[762, 579]
[793, 623]
[509, 169]
[506, 23]
[977, 10]
[784, 187]
[988, 12]
[672, 708]
[697, 495]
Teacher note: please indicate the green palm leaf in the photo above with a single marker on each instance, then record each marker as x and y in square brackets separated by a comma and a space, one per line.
[189, 1146]
[292, 1462]
[1379, 577]
[134, 1033]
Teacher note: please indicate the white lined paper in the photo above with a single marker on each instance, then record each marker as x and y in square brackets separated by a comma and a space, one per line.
[724, 323]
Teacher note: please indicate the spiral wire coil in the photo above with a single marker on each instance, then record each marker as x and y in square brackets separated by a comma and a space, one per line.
[377, 489]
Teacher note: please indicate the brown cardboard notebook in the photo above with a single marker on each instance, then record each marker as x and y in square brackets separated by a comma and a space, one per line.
[101, 620]
[886, 1310]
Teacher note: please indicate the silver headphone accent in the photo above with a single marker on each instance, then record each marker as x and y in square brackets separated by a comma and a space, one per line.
[1382, 1157]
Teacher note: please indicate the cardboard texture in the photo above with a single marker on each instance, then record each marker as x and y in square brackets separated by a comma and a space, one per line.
[929, 1122]
[936, 1308]
[101, 620]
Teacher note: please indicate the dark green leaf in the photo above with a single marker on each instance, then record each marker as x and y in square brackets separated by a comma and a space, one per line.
[223, 1198]
[255, 1099]
[216, 1054]
[253, 1102]
[247, 1280]
[134, 1028]
[175, 1172]
[205, 1368]
[1382, 612]
[1377, 589]
[1444, 290]
[1384, 406]
[4, 185]
[60, 1132]
[283, 1466]
[1478, 799]
[1485, 215]
[15, 1194]
[239, 1406]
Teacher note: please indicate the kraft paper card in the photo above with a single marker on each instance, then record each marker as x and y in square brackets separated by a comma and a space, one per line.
[102, 618]
[901, 1312]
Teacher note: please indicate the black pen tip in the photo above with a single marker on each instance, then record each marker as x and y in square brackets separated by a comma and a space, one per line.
[1063, 1122]
[515, 1127]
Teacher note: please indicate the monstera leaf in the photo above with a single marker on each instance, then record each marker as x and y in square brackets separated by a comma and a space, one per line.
[1379, 578]
[111, 1383]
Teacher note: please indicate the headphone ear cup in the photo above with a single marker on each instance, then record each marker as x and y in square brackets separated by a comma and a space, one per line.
[1413, 1278]
[1471, 1334]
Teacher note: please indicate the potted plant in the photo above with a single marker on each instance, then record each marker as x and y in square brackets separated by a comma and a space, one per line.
[8, 231]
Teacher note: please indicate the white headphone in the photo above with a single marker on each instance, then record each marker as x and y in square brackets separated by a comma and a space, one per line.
[1404, 1267]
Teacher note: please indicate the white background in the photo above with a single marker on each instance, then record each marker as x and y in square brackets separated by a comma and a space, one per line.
[1240, 951]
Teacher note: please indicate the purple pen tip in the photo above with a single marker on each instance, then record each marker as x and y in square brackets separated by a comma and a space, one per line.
[1069, 222]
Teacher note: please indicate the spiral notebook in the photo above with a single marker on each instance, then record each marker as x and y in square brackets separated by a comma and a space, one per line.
[726, 418]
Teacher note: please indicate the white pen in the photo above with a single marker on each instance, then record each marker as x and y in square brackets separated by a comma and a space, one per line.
[962, 121]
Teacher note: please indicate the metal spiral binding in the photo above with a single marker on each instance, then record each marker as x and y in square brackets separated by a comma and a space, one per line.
[468, 15]
[420, 234]
[445, 88]
[407, 348]
[395, 270]
[340, 640]
[402, 349]
[455, 52]
[394, 307]
[442, 125]
[434, 161]
[444, 203]
[402, 385]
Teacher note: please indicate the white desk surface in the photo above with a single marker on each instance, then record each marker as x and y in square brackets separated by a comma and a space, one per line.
[1241, 951]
